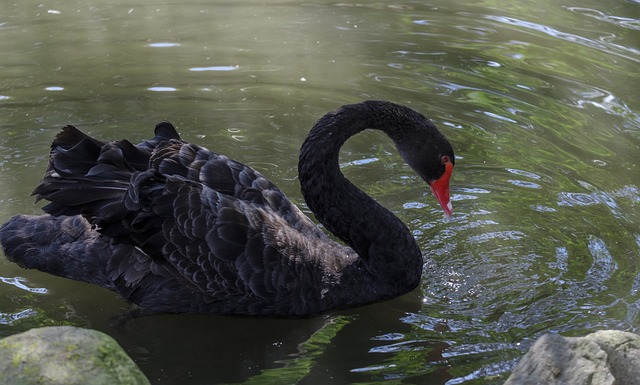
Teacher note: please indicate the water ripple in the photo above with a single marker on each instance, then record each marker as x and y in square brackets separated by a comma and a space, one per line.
[603, 265]
[625, 22]
[543, 209]
[396, 347]
[11, 318]
[19, 283]
[164, 45]
[587, 199]
[602, 99]
[626, 52]
[511, 235]
[607, 198]
[527, 174]
[214, 68]
[525, 184]
[562, 259]
[162, 89]
[577, 199]
[635, 286]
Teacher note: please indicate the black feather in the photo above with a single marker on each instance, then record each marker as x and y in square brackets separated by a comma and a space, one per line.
[175, 227]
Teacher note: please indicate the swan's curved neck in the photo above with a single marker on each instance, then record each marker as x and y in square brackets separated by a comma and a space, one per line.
[387, 250]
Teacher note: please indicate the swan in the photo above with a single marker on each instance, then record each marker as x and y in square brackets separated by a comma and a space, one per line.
[174, 227]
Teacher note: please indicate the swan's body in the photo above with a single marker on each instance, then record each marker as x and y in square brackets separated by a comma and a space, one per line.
[174, 227]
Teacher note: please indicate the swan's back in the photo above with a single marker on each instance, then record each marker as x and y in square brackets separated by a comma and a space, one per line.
[186, 229]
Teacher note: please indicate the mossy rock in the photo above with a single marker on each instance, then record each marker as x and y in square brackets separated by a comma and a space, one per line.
[66, 355]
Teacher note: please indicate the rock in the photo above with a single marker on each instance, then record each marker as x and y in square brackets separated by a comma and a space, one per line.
[66, 355]
[602, 358]
[623, 350]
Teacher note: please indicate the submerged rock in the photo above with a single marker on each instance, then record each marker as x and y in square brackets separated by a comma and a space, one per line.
[602, 358]
[66, 355]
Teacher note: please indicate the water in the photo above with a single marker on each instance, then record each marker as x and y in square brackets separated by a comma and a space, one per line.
[539, 98]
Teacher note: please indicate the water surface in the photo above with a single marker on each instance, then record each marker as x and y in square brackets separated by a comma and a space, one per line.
[540, 100]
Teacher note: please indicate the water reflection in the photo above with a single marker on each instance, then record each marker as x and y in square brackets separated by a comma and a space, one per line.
[596, 197]
[19, 282]
[540, 100]
[11, 318]
[164, 45]
[162, 89]
[264, 351]
[625, 22]
[214, 68]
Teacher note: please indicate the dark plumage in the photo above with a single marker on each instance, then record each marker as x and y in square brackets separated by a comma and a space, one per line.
[174, 227]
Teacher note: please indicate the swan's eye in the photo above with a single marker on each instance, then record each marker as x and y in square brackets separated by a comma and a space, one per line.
[444, 159]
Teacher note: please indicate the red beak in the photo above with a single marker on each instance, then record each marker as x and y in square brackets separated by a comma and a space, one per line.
[440, 189]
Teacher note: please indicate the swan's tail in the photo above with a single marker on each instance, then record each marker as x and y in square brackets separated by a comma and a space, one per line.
[86, 183]
[63, 246]
[86, 175]
[84, 172]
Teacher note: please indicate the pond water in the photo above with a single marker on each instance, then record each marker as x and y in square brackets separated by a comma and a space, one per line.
[540, 100]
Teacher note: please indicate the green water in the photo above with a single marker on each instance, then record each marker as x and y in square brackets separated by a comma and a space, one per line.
[539, 98]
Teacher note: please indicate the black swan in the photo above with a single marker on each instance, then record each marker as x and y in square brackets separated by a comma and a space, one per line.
[174, 227]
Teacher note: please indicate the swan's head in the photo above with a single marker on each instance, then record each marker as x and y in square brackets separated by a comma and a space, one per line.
[429, 153]
[440, 186]
[435, 166]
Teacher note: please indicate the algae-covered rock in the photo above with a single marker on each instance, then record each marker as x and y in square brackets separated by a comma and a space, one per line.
[66, 355]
